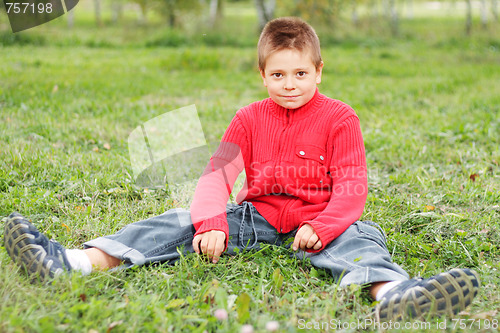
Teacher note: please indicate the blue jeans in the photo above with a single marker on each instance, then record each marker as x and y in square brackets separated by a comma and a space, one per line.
[358, 256]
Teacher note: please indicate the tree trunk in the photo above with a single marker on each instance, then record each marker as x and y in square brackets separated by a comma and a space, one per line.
[117, 8]
[468, 17]
[270, 7]
[494, 9]
[216, 12]
[386, 8]
[374, 8]
[172, 20]
[265, 11]
[394, 17]
[354, 14]
[409, 7]
[71, 18]
[143, 18]
[97, 10]
[484, 14]
[170, 10]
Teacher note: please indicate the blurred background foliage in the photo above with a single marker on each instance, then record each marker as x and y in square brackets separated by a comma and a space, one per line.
[230, 22]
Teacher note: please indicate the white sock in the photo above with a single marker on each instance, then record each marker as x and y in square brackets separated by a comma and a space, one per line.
[79, 261]
[385, 288]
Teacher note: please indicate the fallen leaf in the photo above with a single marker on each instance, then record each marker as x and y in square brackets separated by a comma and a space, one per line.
[113, 325]
[107, 146]
[175, 303]
[66, 226]
[473, 177]
[429, 207]
[83, 297]
[485, 315]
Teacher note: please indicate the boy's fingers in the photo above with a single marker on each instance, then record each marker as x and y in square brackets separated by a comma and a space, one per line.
[211, 244]
[318, 245]
[296, 241]
[313, 239]
[196, 244]
[303, 237]
[204, 245]
[210, 249]
[219, 248]
[306, 238]
[213, 249]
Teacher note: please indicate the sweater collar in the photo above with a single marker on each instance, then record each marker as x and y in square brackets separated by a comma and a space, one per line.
[296, 114]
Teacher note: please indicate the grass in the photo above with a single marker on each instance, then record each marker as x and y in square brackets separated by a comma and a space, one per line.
[429, 109]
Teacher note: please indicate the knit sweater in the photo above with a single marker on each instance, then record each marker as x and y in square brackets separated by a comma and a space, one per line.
[304, 165]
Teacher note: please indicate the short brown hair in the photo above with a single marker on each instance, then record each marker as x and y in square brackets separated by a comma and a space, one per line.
[288, 33]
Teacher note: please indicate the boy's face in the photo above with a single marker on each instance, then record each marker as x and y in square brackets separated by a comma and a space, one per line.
[291, 77]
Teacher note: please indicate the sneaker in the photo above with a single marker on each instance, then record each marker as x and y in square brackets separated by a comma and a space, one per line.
[40, 257]
[443, 294]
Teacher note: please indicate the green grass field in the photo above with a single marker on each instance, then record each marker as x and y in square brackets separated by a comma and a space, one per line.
[429, 104]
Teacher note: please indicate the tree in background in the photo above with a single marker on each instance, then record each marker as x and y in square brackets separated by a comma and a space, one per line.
[144, 6]
[172, 9]
[117, 10]
[210, 13]
[216, 12]
[494, 9]
[323, 11]
[97, 11]
[392, 16]
[265, 11]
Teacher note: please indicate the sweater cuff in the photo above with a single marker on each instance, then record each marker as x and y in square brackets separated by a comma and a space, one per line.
[218, 222]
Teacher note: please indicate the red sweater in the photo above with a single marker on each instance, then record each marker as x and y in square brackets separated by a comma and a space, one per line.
[304, 165]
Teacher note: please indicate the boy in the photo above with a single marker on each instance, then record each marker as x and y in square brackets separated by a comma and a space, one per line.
[304, 158]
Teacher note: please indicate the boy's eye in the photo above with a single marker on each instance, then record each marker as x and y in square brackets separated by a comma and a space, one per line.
[301, 74]
[277, 75]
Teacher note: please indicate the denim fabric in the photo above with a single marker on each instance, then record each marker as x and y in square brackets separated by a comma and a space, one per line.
[358, 256]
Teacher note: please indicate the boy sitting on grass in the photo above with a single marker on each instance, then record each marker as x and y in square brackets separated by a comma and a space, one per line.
[304, 158]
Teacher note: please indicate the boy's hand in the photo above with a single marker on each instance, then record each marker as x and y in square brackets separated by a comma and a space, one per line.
[306, 239]
[211, 243]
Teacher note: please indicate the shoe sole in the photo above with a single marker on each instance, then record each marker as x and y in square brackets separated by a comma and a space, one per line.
[31, 257]
[445, 294]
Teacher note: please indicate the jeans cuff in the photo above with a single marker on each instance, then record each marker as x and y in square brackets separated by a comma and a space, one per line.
[117, 250]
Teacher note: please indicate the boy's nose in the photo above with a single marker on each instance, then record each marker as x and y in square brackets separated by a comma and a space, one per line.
[289, 84]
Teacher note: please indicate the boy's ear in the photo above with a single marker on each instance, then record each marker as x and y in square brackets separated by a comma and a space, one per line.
[263, 75]
[319, 70]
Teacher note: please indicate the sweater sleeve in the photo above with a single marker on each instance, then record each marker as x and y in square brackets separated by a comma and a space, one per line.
[350, 186]
[208, 208]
